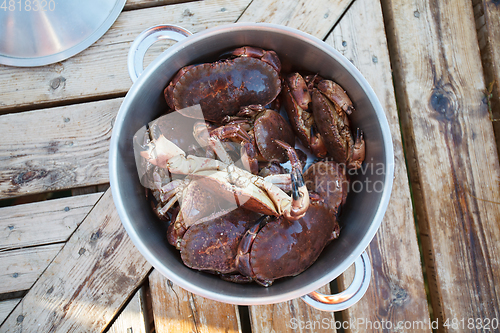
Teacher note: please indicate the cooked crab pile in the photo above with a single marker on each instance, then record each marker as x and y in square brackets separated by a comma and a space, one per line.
[224, 172]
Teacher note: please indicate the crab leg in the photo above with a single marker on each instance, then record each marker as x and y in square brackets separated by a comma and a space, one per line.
[357, 152]
[165, 154]
[292, 208]
[219, 150]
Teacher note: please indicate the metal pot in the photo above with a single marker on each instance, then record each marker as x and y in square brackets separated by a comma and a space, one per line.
[361, 215]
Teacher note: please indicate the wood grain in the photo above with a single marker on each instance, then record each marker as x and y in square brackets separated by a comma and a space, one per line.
[132, 318]
[43, 222]
[452, 156]
[316, 17]
[69, 150]
[292, 316]
[21, 268]
[6, 308]
[101, 70]
[486, 14]
[176, 310]
[396, 291]
[136, 4]
[87, 282]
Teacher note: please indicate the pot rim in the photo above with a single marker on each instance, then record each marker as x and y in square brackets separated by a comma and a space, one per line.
[336, 271]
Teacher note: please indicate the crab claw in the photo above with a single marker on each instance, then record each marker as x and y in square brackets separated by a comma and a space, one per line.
[160, 151]
[300, 195]
[165, 154]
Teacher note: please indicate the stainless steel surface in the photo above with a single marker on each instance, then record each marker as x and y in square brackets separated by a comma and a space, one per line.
[41, 32]
[144, 41]
[348, 297]
[361, 215]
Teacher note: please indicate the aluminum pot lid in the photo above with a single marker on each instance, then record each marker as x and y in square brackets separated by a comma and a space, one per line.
[42, 32]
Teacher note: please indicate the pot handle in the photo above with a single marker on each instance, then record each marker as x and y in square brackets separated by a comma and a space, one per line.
[348, 297]
[143, 42]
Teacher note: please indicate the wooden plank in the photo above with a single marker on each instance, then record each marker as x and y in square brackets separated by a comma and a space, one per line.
[69, 150]
[101, 70]
[21, 268]
[451, 151]
[292, 316]
[132, 318]
[396, 291]
[176, 310]
[88, 281]
[43, 222]
[316, 17]
[135, 4]
[6, 308]
[486, 14]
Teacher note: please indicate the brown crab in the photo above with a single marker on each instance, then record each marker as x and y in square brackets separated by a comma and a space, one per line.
[229, 183]
[213, 245]
[318, 110]
[329, 180]
[286, 248]
[256, 129]
[251, 77]
[270, 247]
[283, 248]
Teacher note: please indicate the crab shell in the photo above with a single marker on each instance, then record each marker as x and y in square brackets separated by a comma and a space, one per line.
[296, 99]
[213, 245]
[268, 127]
[333, 127]
[287, 248]
[223, 86]
[257, 128]
[244, 194]
[329, 180]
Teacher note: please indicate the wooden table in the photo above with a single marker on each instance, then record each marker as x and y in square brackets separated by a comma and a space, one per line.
[67, 264]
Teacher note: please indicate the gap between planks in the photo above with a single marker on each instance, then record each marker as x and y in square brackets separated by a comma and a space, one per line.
[95, 273]
[100, 71]
[440, 87]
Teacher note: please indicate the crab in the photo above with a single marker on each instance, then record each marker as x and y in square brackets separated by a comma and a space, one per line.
[296, 99]
[244, 249]
[213, 244]
[229, 183]
[330, 181]
[251, 76]
[256, 128]
[282, 248]
[319, 109]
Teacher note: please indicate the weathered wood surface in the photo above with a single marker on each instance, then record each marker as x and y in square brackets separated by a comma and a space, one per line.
[87, 282]
[176, 310]
[133, 318]
[451, 153]
[6, 307]
[441, 97]
[101, 70]
[292, 316]
[396, 291]
[136, 4]
[316, 17]
[70, 149]
[21, 268]
[486, 13]
[43, 222]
